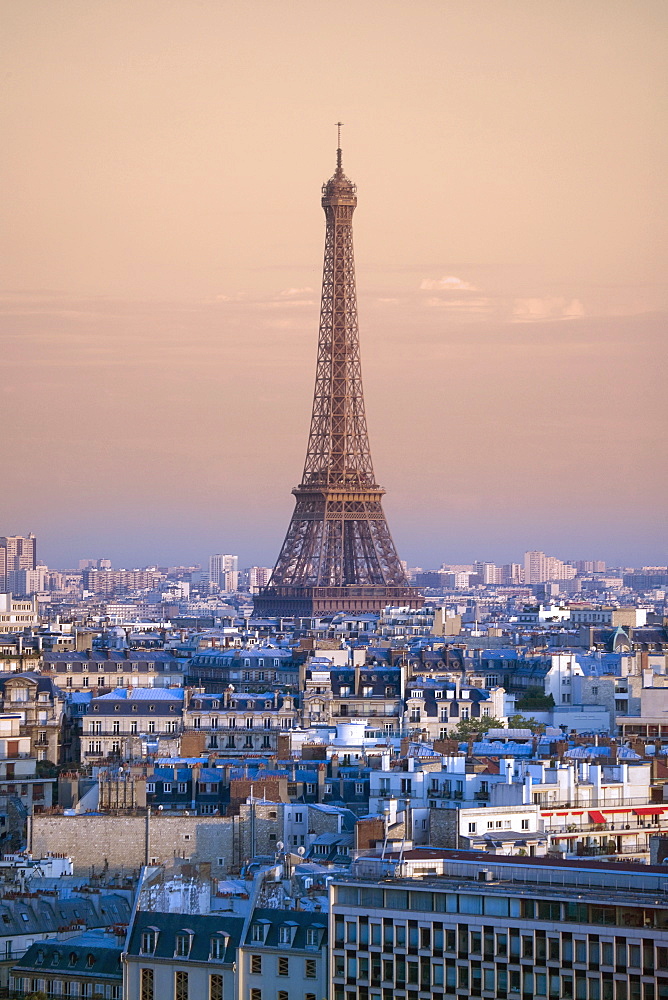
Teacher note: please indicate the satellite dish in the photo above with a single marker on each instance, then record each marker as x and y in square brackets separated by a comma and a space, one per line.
[301, 851]
[280, 845]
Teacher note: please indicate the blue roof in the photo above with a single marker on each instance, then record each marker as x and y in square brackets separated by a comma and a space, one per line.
[501, 749]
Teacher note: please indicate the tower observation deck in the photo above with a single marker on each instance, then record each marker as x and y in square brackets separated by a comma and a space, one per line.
[338, 554]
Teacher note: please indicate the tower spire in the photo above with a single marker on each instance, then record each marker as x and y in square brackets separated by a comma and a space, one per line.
[338, 554]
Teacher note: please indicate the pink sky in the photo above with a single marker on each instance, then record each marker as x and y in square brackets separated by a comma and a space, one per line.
[162, 239]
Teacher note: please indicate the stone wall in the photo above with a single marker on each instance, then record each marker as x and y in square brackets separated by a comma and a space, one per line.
[443, 825]
[126, 842]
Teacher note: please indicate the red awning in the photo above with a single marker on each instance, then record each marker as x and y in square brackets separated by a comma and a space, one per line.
[597, 817]
[648, 810]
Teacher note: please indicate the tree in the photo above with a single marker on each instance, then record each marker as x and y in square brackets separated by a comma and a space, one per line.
[466, 728]
[521, 722]
[536, 699]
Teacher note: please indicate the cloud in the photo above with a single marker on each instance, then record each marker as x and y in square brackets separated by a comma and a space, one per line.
[549, 308]
[477, 305]
[295, 292]
[448, 283]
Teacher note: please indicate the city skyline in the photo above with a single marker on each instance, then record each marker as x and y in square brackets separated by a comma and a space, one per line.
[160, 286]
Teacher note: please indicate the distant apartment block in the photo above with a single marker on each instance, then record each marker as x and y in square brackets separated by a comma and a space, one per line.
[17, 613]
[121, 581]
[16, 555]
[224, 572]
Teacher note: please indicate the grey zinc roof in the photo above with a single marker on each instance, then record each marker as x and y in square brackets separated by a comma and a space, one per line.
[300, 920]
[202, 926]
[84, 955]
[143, 694]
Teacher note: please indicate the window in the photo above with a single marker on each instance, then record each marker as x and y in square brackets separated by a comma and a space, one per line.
[472, 827]
[257, 932]
[283, 967]
[151, 726]
[310, 968]
[283, 995]
[166, 786]
[217, 947]
[311, 936]
[181, 986]
[284, 935]
[146, 985]
[133, 727]
[183, 787]
[256, 964]
[255, 994]
[148, 942]
[525, 824]
[216, 987]
[183, 942]
[150, 786]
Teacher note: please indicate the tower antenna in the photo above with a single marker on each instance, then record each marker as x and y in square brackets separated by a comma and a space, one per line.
[338, 143]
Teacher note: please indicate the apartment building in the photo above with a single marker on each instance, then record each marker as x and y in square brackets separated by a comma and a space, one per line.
[181, 956]
[284, 956]
[240, 721]
[17, 613]
[93, 669]
[121, 723]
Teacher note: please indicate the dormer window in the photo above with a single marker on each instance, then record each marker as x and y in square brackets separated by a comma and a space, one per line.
[217, 947]
[149, 939]
[214, 704]
[90, 961]
[312, 935]
[183, 944]
[257, 933]
[284, 934]
[73, 958]
[40, 958]
[438, 694]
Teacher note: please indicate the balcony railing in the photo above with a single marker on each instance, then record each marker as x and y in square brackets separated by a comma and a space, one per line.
[608, 803]
[573, 829]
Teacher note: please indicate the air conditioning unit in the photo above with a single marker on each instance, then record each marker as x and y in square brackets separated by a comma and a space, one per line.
[485, 875]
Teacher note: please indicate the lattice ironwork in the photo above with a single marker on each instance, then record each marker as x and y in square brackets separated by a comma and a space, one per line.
[338, 542]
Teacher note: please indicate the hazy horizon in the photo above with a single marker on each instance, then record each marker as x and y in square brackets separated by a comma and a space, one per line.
[162, 242]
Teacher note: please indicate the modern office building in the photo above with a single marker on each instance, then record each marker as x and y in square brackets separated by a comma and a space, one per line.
[501, 928]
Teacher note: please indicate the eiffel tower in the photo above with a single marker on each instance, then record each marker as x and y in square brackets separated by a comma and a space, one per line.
[338, 554]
